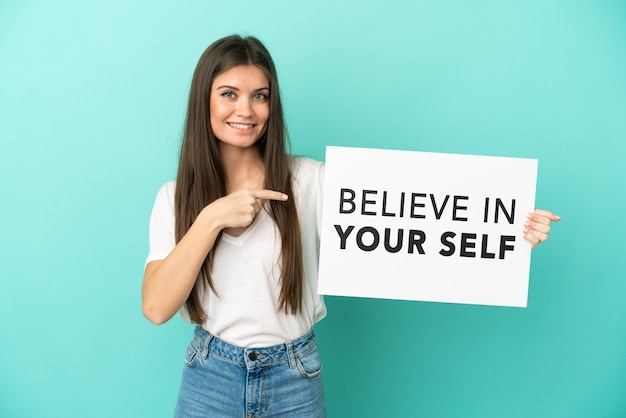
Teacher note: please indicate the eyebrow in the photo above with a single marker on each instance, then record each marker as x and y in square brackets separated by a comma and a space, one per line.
[226, 86]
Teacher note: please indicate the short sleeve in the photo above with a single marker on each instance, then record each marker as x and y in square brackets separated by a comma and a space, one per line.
[161, 231]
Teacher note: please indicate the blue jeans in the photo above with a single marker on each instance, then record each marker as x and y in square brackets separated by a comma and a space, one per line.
[222, 380]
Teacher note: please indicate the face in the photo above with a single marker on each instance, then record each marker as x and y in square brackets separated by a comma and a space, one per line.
[239, 106]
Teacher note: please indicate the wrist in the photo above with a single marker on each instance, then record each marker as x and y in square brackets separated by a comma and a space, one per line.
[209, 221]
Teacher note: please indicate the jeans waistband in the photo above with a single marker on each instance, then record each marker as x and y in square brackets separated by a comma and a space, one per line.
[254, 357]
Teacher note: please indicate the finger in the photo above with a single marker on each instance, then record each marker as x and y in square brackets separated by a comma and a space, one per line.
[547, 214]
[534, 241]
[268, 195]
[533, 217]
[540, 235]
[537, 226]
[535, 238]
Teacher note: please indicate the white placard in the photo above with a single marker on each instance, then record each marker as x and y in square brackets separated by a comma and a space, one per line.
[426, 226]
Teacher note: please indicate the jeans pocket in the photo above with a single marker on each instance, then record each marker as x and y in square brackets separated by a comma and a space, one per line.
[192, 354]
[309, 363]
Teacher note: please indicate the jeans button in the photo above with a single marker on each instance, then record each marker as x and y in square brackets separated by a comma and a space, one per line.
[252, 356]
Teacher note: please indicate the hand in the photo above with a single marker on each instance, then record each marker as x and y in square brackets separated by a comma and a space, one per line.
[238, 209]
[537, 227]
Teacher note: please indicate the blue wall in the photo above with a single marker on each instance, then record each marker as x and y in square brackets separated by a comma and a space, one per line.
[92, 101]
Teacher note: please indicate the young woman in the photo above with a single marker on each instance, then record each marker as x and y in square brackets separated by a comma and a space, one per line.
[234, 246]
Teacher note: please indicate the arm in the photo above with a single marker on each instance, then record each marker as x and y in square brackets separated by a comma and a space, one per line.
[537, 227]
[167, 283]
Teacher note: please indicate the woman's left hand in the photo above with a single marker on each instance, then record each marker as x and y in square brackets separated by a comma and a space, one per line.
[537, 227]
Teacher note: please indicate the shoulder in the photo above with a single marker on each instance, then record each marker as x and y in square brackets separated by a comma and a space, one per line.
[169, 188]
[303, 167]
[165, 195]
[308, 180]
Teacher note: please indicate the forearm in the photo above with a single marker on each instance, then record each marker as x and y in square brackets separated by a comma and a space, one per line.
[167, 283]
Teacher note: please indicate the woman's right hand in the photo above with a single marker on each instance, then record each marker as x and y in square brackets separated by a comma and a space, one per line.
[238, 209]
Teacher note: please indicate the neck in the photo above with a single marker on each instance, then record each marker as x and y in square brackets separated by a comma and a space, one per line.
[243, 168]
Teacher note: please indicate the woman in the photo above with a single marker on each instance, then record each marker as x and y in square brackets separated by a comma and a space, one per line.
[234, 246]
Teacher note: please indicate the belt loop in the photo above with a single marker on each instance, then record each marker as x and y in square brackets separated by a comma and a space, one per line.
[205, 344]
[290, 355]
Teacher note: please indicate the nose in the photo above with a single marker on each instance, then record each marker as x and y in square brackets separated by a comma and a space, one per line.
[244, 108]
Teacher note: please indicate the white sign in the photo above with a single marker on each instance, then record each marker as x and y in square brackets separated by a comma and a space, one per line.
[426, 226]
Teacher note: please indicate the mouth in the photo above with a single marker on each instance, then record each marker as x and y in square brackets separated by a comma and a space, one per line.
[241, 125]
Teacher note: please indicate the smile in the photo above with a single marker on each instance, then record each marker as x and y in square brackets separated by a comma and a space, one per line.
[241, 125]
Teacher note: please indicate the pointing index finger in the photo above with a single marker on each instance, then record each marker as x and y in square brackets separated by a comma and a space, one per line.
[269, 195]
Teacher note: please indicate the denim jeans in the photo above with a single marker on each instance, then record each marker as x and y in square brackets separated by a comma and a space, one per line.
[222, 380]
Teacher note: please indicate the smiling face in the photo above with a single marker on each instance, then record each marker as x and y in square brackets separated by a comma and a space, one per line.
[239, 106]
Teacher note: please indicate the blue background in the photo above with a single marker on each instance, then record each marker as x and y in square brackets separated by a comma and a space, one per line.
[92, 103]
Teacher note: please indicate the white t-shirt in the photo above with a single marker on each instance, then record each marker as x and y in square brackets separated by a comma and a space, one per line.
[246, 269]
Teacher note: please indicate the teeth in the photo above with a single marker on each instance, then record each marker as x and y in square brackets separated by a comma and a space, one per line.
[241, 125]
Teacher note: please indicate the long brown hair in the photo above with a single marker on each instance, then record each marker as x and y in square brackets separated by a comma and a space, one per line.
[201, 178]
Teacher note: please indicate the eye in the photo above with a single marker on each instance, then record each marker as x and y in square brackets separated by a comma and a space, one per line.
[260, 97]
[228, 94]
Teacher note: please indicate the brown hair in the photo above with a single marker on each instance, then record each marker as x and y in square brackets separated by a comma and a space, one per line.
[201, 179]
